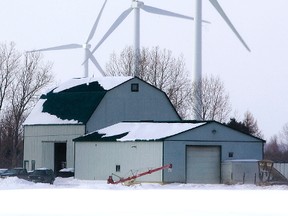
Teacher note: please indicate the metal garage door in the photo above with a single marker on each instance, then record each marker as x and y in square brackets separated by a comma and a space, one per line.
[203, 165]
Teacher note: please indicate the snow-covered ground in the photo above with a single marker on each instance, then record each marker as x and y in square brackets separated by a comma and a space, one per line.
[74, 197]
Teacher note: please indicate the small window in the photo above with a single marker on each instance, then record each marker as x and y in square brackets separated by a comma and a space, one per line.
[231, 154]
[117, 168]
[135, 87]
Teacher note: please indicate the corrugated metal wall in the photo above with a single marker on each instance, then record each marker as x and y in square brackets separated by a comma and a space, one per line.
[282, 168]
[39, 143]
[121, 104]
[97, 161]
[234, 145]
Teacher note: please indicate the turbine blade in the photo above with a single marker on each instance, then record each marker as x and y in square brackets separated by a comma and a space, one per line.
[159, 11]
[62, 47]
[118, 21]
[224, 16]
[95, 62]
[96, 24]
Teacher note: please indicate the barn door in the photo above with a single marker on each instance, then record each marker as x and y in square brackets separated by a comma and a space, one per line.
[203, 164]
[59, 156]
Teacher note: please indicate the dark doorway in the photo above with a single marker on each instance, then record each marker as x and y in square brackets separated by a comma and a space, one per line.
[59, 157]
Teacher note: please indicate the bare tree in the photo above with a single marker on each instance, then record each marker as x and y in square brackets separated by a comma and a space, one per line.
[283, 135]
[214, 100]
[9, 63]
[277, 147]
[160, 69]
[272, 150]
[23, 76]
[248, 125]
[32, 78]
[251, 123]
[121, 65]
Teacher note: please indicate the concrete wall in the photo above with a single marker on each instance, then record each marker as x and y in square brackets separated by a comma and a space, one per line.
[39, 143]
[98, 160]
[121, 104]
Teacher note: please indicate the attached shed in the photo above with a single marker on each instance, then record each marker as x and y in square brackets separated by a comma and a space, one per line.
[195, 149]
[240, 172]
[83, 105]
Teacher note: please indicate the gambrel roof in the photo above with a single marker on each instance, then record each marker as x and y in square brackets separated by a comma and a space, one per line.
[73, 102]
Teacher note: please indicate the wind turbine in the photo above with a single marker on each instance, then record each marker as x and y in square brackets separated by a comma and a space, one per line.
[136, 6]
[197, 70]
[86, 46]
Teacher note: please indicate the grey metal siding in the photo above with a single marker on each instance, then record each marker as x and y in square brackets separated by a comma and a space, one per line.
[96, 160]
[174, 153]
[39, 142]
[121, 104]
[241, 145]
[48, 154]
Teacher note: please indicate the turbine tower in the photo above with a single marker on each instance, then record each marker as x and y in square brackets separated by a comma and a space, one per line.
[197, 70]
[136, 6]
[86, 47]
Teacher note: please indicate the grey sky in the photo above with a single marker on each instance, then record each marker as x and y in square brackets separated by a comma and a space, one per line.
[256, 81]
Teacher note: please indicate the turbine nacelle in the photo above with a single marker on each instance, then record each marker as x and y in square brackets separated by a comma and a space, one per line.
[137, 4]
[86, 46]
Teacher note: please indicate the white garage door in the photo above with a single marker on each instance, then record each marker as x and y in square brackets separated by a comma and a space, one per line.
[203, 165]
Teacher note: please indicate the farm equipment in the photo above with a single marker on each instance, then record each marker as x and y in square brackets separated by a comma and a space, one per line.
[269, 175]
[133, 177]
[265, 169]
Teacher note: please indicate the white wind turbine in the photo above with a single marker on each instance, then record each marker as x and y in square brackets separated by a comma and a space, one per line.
[86, 46]
[197, 70]
[136, 6]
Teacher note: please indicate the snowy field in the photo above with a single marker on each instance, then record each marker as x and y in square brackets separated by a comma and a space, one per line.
[74, 197]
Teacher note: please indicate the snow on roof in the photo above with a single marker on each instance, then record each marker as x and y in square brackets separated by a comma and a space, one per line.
[132, 131]
[38, 116]
[106, 82]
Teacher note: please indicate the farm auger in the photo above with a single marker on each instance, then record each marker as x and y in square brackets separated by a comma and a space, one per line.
[132, 178]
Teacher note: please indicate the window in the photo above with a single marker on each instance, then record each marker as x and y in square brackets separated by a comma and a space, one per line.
[231, 154]
[135, 87]
[117, 168]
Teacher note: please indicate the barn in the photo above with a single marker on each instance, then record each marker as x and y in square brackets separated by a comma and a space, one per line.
[83, 105]
[197, 150]
[121, 125]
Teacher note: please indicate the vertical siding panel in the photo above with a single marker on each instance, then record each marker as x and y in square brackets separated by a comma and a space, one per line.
[48, 155]
[36, 135]
[101, 161]
[120, 104]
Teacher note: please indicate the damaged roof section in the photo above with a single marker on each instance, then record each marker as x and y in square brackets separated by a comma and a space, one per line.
[72, 102]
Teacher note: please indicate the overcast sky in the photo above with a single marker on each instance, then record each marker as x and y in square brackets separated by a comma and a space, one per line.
[256, 81]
